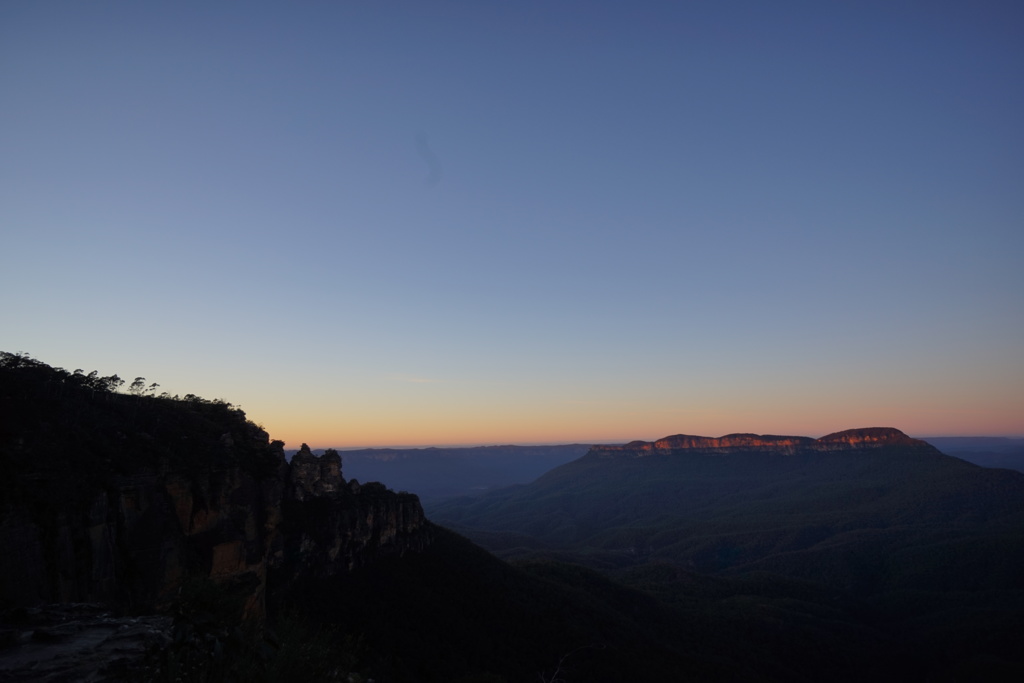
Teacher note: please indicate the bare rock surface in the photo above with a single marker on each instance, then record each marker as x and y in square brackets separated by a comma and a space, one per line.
[78, 642]
[870, 438]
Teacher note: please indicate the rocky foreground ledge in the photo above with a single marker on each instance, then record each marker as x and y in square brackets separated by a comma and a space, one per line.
[871, 438]
[79, 642]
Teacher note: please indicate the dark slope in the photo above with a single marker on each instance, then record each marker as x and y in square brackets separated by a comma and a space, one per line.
[456, 610]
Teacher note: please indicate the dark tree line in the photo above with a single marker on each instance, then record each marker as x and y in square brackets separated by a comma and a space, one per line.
[22, 365]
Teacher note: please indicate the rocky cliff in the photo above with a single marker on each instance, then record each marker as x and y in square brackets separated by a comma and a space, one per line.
[120, 499]
[872, 438]
[331, 527]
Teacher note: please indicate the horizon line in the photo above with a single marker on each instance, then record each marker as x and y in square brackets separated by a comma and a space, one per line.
[611, 442]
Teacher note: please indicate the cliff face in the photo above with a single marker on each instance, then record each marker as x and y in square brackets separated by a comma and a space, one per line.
[134, 542]
[129, 538]
[331, 527]
[120, 499]
[310, 477]
[872, 438]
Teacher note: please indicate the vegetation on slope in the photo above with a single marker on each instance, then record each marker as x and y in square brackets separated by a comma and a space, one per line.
[75, 428]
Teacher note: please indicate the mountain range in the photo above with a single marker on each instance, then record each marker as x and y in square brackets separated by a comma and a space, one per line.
[439, 473]
[744, 502]
[924, 550]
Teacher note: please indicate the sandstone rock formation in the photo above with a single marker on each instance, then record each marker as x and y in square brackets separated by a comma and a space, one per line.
[871, 438]
[129, 540]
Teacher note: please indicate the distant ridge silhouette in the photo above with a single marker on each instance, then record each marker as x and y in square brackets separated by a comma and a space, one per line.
[859, 439]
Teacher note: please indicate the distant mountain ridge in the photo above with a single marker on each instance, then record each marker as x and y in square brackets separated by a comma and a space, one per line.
[923, 549]
[987, 451]
[850, 439]
[747, 502]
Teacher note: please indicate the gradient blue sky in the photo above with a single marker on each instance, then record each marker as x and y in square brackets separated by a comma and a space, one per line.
[444, 223]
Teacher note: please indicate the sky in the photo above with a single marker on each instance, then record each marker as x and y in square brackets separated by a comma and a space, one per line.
[443, 223]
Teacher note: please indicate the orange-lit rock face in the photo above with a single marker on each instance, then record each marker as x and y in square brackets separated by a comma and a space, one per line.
[228, 559]
[879, 436]
[852, 439]
[732, 441]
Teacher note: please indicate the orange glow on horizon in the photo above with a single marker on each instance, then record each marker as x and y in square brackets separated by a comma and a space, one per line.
[433, 415]
[451, 434]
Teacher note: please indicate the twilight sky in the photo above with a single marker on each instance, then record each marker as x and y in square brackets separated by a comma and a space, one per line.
[474, 222]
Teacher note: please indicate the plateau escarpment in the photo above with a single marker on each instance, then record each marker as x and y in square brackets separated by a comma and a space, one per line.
[872, 438]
